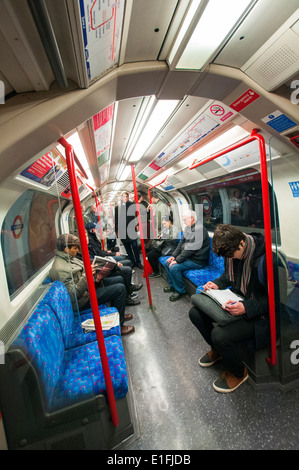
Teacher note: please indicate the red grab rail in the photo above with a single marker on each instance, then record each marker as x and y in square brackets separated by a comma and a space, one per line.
[89, 278]
[141, 236]
[267, 226]
[150, 200]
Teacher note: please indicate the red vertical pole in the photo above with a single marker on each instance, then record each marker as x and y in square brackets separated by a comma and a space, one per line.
[267, 227]
[89, 278]
[141, 236]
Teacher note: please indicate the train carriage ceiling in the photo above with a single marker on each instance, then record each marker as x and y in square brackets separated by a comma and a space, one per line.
[106, 72]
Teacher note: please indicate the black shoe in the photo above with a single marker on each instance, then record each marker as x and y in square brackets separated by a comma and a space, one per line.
[176, 296]
[139, 265]
[132, 301]
[136, 287]
[168, 289]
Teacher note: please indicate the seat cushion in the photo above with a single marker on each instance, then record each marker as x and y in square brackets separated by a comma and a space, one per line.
[58, 299]
[82, 376]
[78, 336]
[42, 344]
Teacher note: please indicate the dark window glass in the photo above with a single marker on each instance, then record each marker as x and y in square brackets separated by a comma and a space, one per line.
[235, 199]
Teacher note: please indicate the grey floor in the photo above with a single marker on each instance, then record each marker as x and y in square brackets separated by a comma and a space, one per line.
[175, 403]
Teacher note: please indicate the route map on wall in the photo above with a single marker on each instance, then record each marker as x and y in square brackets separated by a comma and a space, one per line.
[101, 22]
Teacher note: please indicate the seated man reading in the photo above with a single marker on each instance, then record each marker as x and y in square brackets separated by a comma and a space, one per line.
[191, 253]
[249, 316]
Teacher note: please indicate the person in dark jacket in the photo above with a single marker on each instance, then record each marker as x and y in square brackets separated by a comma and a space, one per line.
[242, 253]
[164, 245]
[95, 247]
[69, 270]
[122, 269]
[191, 253]
[125, 228]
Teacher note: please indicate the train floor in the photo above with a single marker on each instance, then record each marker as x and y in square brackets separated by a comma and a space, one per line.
[174, 403]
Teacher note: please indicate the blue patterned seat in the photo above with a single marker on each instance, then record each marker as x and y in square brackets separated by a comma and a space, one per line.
[200, 276]
[58, 299]
[67, 377]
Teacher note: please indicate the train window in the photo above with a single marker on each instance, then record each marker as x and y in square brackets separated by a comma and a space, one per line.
[28, 237]
[235, 199]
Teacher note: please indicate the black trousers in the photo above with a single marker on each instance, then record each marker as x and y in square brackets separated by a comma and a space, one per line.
[153, 256]
[115, 293]
[224, 339]
[132, 249]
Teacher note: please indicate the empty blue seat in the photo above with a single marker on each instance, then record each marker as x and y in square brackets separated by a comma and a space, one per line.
[58, 299]
[67, 377]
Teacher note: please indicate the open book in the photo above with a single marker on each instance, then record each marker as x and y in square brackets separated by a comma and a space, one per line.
[107, 321]
[104, 265]
[222, 296]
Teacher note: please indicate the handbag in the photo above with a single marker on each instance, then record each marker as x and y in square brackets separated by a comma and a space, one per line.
[157, 244]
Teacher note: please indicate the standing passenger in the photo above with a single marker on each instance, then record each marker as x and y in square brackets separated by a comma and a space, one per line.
[125, 228]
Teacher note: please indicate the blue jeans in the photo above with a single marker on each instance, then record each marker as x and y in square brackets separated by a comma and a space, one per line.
[175, 274]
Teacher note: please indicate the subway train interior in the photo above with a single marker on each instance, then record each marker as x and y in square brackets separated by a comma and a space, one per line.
[193, 105]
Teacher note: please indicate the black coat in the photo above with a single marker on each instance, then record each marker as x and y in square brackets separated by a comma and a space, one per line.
[194, 245]
[256, 298]
[126, 221]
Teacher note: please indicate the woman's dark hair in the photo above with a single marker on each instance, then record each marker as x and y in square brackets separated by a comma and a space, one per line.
[226, 240]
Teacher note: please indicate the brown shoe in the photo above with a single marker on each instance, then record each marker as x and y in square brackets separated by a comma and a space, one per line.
[126, 330]
[229, 382]
[209, 358]
[128, 316]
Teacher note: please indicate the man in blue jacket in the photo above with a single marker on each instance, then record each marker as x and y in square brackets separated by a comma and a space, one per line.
[191, 253]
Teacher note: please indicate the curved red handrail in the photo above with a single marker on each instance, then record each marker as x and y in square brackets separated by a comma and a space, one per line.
[267, 226]
[90, 281]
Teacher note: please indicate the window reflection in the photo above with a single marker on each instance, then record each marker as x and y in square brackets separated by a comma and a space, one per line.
[234, 199]
[28, 237]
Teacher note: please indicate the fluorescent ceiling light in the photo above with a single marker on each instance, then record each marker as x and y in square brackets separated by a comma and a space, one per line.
[217, 21]
[191, 12]
[159, 116]
[75, 142]
[125, 173]
[117, 186]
